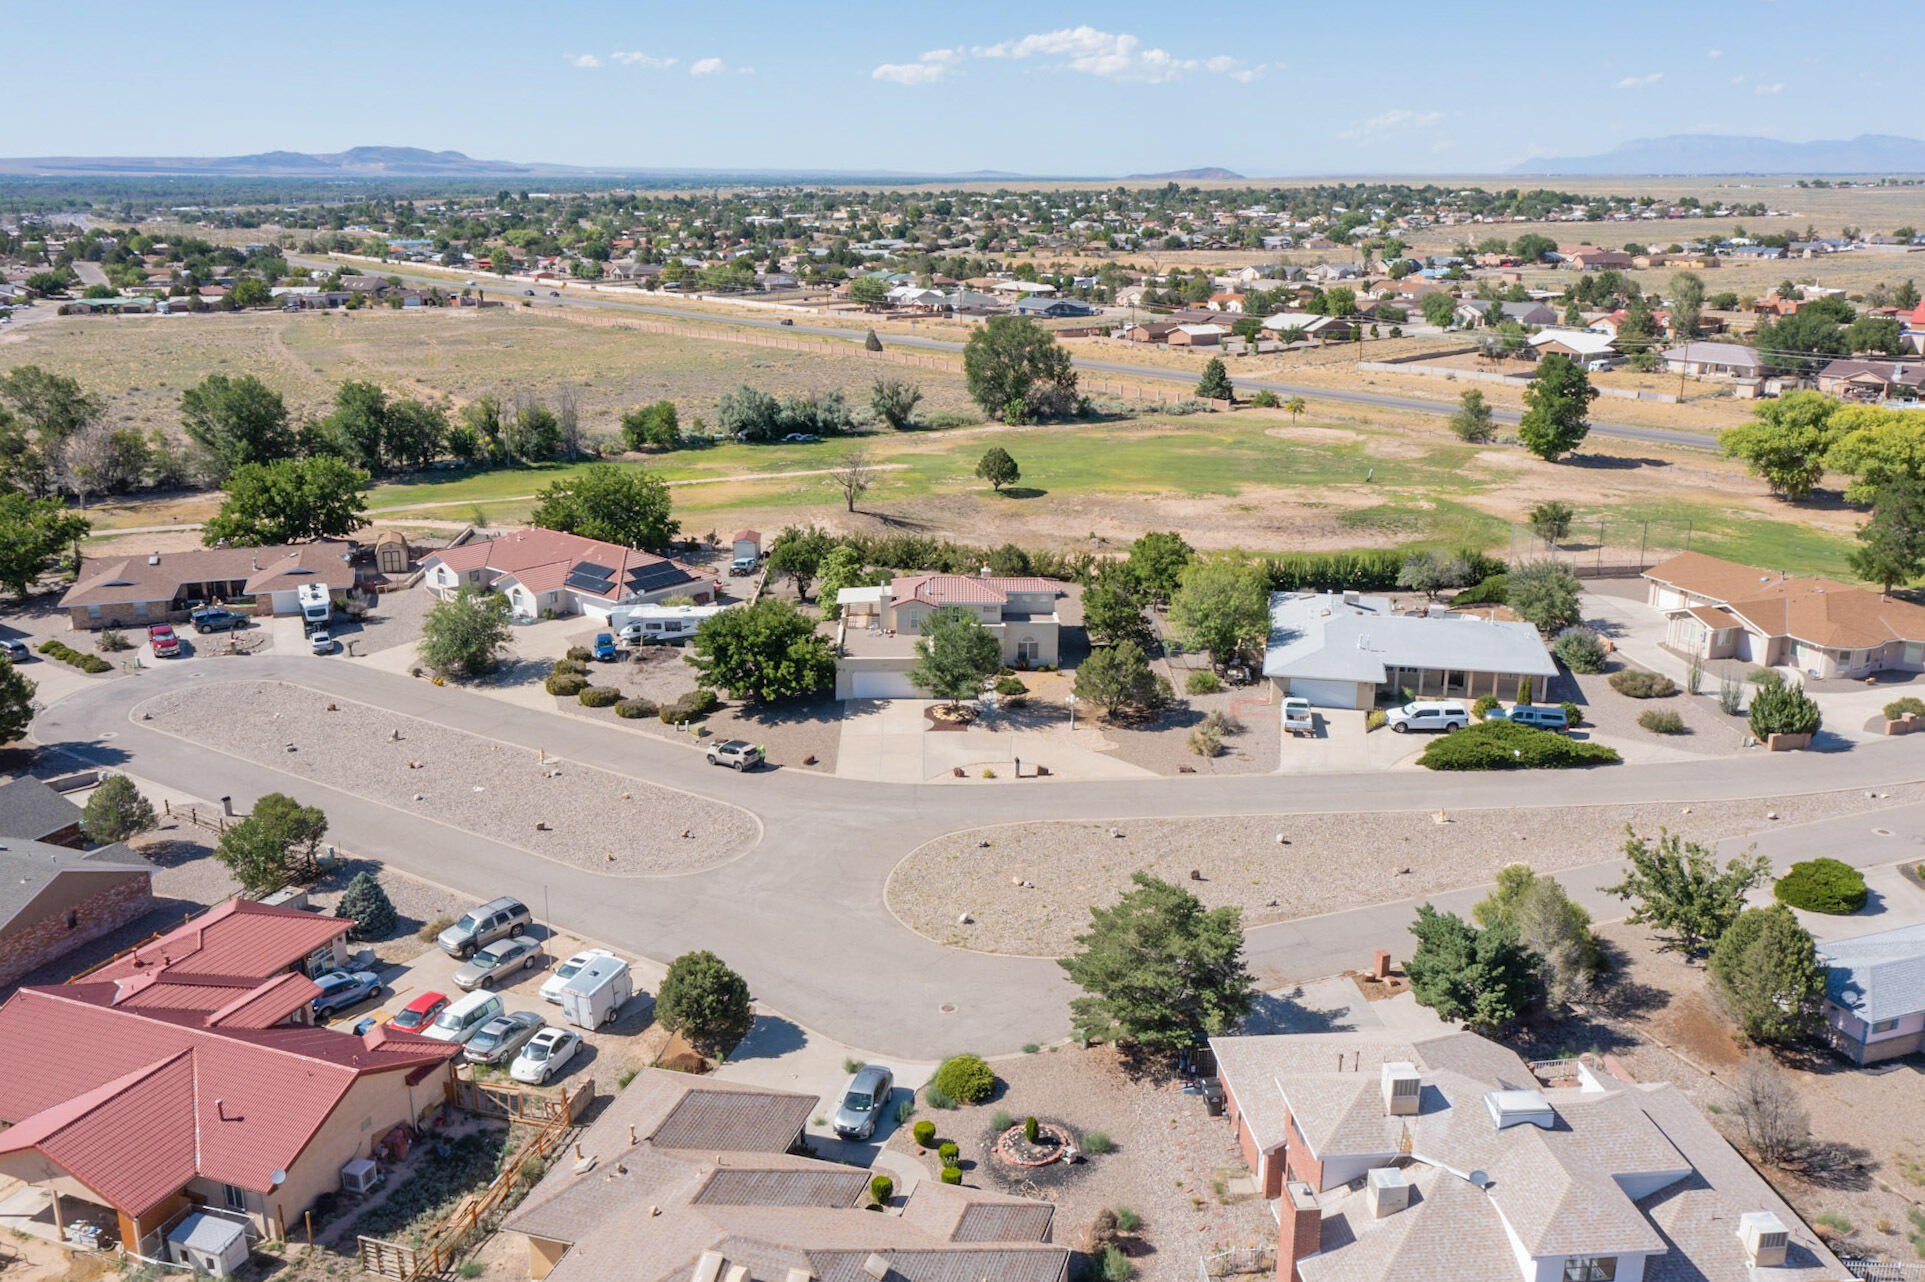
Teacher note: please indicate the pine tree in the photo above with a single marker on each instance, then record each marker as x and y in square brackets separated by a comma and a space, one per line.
[367, 904]
[705, 1001]
[1485, 978]
[1215, 383]
[116, 811]
[1766, 968]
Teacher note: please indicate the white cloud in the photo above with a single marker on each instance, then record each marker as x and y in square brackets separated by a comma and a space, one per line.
[707, 67]
[926, 70]
[636, 59]
[1095, 53]
[1396, 120]
[1714, 53]
[1639, 82]
[1775, 87]
[586, 60]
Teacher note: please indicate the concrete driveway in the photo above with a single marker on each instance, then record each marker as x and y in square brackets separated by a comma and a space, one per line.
[882, 740]
[1341, 745]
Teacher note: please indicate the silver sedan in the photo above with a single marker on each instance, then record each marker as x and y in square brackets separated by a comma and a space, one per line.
[495, 963]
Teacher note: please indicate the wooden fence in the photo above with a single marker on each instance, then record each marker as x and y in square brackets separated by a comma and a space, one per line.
[522, 1103]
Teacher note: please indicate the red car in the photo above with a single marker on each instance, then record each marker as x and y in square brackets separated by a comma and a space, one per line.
[161, 637]
[418, 1014]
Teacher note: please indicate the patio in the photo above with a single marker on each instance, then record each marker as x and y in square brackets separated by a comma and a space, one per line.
[64, 1219]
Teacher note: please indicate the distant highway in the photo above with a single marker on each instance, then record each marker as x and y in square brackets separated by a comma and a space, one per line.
[1599, 427]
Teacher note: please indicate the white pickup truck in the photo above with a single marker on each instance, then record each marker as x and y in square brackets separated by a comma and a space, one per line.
[1298, 719]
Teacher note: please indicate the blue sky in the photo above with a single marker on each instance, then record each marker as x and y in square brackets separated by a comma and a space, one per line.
[1275, 87]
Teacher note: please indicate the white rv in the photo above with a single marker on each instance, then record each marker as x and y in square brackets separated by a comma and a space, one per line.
[660, 624]
[316, 606]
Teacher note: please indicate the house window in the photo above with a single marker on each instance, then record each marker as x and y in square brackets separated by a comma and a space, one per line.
[1884, 1025]
[1028, 650]
[73, 919]
[234, 1199]
[1590, 1268]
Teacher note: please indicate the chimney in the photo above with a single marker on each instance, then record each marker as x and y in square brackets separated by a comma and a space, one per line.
[1402, 1089]
[1764, 1237]
[1299, 1229]
[984, 572]
[1381, 966]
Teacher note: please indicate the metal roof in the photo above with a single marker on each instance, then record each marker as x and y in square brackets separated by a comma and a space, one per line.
[1323, 636]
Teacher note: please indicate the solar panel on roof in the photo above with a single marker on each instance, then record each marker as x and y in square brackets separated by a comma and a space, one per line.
[589, 567]
[647, 578]
[587, 582]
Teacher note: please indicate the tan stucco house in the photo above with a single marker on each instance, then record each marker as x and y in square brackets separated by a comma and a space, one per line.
[876, 639]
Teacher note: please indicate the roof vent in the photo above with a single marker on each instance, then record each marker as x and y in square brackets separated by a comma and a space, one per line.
[875, 1266]
[154, 559]
[1765, 1237]
[1387, 1191]
[1402, 1088]
[1513, 1108]
[708, 1267]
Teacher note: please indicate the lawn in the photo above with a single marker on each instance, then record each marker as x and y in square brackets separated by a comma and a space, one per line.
[1736, 534]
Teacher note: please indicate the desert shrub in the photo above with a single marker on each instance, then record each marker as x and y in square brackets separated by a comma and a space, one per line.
[1097, 1142]
[1822, 885]
[109, 639]
[1579, 649]
[951, 1175]
[1731, 698]
[1505, 745]
[433, 927]
[631, 709]
[1489, 591]
[1636, 683]
[925, 1133]
[598, 696]
[1000, 1121]
[966, 1078]
[937, 1099]
[566, 667]
[67, 654]
[1783, 709]
[1206, 741]
[1127, 1220]
[1031, 1129]
[948, 1152]
[1265, 399]
[1766, 678]
[1115, 1266]
[882, 1188]
[1202, 681]
[1011, 687]
[580, 653]
[1375, 718]
[1482, 708]
[692, 706]
[1910, 705]
[565, 685]
[1573, 715]
[1661, 722]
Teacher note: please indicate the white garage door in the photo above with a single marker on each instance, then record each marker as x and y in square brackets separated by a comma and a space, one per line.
[881, 685]
[1325, 694]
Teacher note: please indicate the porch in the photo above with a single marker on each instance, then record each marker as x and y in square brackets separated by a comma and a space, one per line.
[67, 1221]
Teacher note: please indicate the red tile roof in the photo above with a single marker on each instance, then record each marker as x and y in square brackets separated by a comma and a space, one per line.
[239, 940]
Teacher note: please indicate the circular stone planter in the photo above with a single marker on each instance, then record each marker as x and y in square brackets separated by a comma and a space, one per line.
[1052, 1144]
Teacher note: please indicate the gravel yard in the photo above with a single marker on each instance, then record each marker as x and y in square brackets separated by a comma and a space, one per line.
[1333, 861]
[1610, 717]
[498, 792]
[1173, 1165]
[394, 620]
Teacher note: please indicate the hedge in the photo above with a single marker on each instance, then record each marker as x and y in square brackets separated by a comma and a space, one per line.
[1635, 683]
[67, 654]
[1505, 745]
[598, 696]
[952, 1175]
[1484, 705]
[580, 654]
[925, 1133]
[630, 709]
[949, 1153]
[565, 685]
[1573, 715]
[1909, 705]
[966, 1078]
[1822, 886]
[565, 667]
[1489, 591]
[691, 706]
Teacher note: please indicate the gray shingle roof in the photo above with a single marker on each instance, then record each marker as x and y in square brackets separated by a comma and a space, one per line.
[1878, 976]
[29, 808]
[27, 868]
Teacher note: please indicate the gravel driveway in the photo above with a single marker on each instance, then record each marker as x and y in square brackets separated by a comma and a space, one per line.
[593, 819]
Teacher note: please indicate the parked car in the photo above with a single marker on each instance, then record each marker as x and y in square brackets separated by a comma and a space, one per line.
[496, 1041]
[552, 986]
[320, 641]
[605, 648]
[1531, 714]
[15, 650]
[528, 292]
[800, 438]
[546, 1054]
[463, 1019]
[215, 619]
[496, 919]
[161, 637]
[419, 1014]
[490, 965]
[736, 752]
[743, 565]
[787, 320]
[1298, 719]
[341, 989]
[863, 1102]
[1428, 714]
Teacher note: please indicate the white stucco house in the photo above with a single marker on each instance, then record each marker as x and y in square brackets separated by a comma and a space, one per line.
[876, 639]
[546, 572]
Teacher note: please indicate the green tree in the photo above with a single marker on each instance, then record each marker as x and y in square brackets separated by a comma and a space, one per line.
[275, 844]
[1875, 447]
[798, 553]
[51, 404]
[251, 293]
[289, 501]
[1891, 545]
[1426, 571]
[1485, 978]
[1875, 334]
[358, 427]
[465, 634]
[1549, 923]
[654, 426]
[704, 1001]
[116, 811]
[1545, 594]
[1679, 888]
[1215, 384]
[1802, 341]
[1472, 422]
[1785, 441]
[998, 468]
[1557, 405]
[1532, 246]
[894, 401]
[613, 502]
[1113, 609]
[1296, 405]
[16, 702]
[870, 291]
[1119, 680]
[1766, 969]
[1011, 360]
[955, 655]
[1439, 309]
[1159, 970]
[1221, 606]
[1782, 709]
[533, 433]
[367, 905]
[32, 533]
[763, 653]
[236, 421]
[1687, 305]
[1551, 520]
[1156, 561]
[414, 434]
[842, 568]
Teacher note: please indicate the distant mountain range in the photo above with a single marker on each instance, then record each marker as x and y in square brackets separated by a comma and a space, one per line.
[1730, 154]
[1212, 173]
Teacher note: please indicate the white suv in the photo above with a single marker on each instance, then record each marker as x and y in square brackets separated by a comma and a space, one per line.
[1428, 714]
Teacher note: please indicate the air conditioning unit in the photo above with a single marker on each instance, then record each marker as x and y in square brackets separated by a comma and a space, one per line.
[1402, 1089]
[1387, 1191]
[360, 1176]
[1764, 1236]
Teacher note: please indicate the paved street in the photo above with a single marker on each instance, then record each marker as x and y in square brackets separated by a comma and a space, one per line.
[803, 915]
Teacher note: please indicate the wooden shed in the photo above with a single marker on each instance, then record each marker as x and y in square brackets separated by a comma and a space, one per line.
[391, 552]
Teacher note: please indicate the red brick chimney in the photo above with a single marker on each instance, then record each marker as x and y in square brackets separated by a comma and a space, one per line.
[1300, 1231]
[1381, 967]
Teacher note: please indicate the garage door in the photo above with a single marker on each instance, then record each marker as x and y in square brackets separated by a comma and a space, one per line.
[881, 685]
[1326, 694]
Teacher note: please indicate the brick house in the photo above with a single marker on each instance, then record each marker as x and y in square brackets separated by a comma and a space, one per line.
[55, 898]
[31, 810]
[135, 591]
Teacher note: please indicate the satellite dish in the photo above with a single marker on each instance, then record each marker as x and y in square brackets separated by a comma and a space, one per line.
[1480, 1179]
[277, 1179]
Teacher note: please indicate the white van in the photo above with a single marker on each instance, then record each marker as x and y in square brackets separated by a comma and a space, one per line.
[462, 1020]
[596, 993]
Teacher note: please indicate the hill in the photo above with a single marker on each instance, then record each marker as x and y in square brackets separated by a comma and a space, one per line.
[1735, 154]
[1211, 173]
